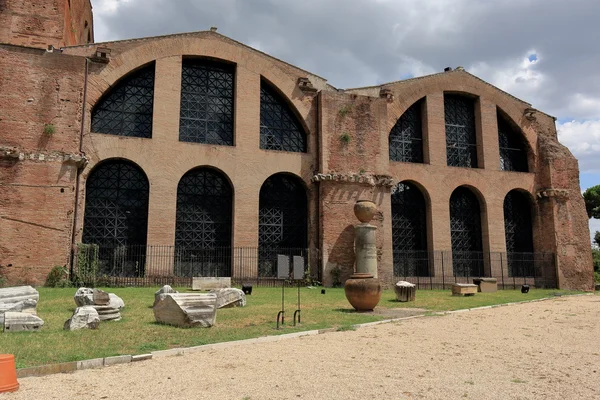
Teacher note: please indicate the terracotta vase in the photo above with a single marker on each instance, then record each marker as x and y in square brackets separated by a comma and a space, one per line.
[365, 210]
[363, 291]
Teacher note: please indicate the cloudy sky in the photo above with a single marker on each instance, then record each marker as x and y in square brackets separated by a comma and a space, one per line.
[546, 52]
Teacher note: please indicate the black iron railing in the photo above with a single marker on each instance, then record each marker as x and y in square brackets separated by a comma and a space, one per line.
[440, 269]
[176, 265]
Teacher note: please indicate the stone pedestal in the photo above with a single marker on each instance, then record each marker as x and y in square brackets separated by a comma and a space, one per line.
[365, 249]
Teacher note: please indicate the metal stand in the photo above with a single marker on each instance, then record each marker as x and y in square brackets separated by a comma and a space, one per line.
[297, 312]
[282, 312]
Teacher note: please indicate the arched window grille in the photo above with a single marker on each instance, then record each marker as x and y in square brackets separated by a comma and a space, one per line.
[116, 217]
[279, 127]
[206, 114]
[461, 141]
[465, 229]
[282, 223]
[126, 109]
[409, 231]
[513, 153]
[406, 137]
[519, 234]
[203, 224]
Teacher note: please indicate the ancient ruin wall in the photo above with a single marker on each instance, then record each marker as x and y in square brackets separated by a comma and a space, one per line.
[40, 103]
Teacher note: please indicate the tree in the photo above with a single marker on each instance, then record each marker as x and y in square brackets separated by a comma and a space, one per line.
[597, 239]
[592, 201]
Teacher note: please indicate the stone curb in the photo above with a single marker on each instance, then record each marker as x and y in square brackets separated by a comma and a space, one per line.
[125, 359]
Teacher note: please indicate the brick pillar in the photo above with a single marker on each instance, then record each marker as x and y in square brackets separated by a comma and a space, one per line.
[434, 130]
[162, 207]
[486, 123]
[247, 136]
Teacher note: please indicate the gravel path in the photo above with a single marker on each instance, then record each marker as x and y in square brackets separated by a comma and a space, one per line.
[542, 350]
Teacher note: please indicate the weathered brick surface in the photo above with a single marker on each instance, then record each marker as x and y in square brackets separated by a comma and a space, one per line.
[41, 23]
[37, 217]
[37, 192]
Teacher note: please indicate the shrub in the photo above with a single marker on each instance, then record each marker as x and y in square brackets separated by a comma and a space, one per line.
[49, 129]
[87, 265]
[58, 277]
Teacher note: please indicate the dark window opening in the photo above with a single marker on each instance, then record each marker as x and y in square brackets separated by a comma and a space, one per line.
[203, 224]
[409, 231]
[282, 225]
[465, 230]
[406, 137]
[126, 109]
[206, 114]
[461, 141]
[518, 232]
[116, 217]
[513, 153]
[279, 127]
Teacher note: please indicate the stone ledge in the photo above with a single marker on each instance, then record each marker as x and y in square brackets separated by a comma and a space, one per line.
[47, 369]
[368, 179]
[108, 361]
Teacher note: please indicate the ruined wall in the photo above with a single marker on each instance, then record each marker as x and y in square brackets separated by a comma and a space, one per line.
[39, 23]
[561, 209]
[40, 114]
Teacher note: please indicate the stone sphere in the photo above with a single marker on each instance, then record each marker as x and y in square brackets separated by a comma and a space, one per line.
[365, 210]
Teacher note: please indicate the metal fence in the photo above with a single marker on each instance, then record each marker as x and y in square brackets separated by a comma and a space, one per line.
[154, 265]
[440, 269]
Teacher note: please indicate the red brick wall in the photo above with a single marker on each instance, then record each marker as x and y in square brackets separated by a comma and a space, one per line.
[39, 23]
[37, 187]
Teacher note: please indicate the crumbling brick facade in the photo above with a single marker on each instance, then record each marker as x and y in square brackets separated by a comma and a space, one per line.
[48, 149]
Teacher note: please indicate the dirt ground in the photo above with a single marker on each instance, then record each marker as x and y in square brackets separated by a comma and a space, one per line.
[541, 350]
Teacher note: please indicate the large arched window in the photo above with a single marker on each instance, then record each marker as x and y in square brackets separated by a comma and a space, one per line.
[116, 216]
[465, 230]
[519, 234]
[406, 137]
[206, 113]
[409, 231]
[203, 224]
[282, 224]
[513, 153]
[279, 127]
[461, 139]
[126, 109]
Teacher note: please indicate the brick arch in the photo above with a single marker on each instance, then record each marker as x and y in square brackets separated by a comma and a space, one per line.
[528, 193]
[211, 47]
[483, 204]
[212, 168]
[412, 90]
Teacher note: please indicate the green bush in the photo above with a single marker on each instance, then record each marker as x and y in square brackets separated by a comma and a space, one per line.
[596, 260]
[87, 265]
[58, 277]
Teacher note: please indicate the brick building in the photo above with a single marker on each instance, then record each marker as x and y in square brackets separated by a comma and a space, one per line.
[194, 154]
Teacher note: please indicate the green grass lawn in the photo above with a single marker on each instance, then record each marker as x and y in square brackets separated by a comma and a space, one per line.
[138, 333]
